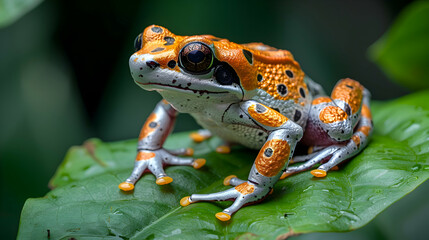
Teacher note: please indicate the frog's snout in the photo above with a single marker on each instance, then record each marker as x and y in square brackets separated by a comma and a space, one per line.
[140, 65]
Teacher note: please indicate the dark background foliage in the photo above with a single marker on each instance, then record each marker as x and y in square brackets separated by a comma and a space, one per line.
[64, 72]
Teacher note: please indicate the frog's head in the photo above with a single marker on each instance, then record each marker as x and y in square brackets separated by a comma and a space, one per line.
[192, 70]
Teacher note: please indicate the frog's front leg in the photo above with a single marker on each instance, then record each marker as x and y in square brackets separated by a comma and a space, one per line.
[151, 155]
[271, 161]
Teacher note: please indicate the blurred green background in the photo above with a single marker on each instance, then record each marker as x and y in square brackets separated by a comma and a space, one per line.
[64, 78]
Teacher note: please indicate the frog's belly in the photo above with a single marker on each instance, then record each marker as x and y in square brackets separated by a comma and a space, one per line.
[234, 133]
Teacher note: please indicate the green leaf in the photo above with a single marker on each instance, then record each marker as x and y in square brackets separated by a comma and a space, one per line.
[86, 203]
[11, 10]
[403, 52]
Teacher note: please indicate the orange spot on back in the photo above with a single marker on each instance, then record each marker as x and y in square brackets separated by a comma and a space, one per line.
[270, 166]
[350, 91]
[146, 130]
[270, 117]
[321, 100]
[245, 188]
[145, 156]
[332, 114]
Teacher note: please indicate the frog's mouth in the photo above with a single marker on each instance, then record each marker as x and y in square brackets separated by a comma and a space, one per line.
[201, 92]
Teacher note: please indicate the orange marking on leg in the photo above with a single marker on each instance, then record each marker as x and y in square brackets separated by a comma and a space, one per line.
[366, 112]
[245, 188]
[272, 157]
[356, 139]
[147, 129]
[165, 101]
[365, 130]
[266, 116]
[145, 156]
[350, 91]
[332, 114]
[320, 100]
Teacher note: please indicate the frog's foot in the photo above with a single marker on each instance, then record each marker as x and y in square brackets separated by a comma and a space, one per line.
[154, 161]
[200, 135]
[245, 193]
[335, 154]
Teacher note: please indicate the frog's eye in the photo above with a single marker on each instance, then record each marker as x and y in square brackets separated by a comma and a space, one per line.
[196, 58]
[138, 42]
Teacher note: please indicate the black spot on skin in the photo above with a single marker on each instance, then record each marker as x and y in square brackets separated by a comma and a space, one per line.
[260, 108]
[260, 133]
[241, 116]
[297, 116]
[156, 29]
[268, 152]
[189, 84]
[140, 75]
[282, 89]
[248, 55]
[171, 64]
[153, 124]
[289, 73]
[302, 92]
[174, 81]
[351, 87]
[348, 110]
[276, 109]
[159, 49]
[260, 78]
[342, 131]
[169, 41]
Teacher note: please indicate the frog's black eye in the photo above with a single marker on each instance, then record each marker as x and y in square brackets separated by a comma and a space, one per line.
[138, 42]
[225, 74]
[196, 58]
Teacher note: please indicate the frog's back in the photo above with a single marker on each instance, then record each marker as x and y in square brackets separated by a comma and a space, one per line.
[280, 82]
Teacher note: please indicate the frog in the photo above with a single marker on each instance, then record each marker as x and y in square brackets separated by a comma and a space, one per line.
[250, 94]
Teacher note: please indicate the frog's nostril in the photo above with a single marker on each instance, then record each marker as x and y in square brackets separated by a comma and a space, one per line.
[152, 64]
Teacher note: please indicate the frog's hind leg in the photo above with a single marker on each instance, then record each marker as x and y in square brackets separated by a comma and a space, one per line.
[343, 121]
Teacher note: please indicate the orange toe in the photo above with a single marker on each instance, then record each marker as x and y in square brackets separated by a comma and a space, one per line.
[227, 180]
[223, 216]
[126, 186]
[198, 163]
[285, 175]
[185, 201]
[197, 137]
[189, 152]
[318, 173]
[164, 180]
[223, 149]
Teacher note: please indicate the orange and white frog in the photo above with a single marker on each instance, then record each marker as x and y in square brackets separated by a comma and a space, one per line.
[251, 94]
